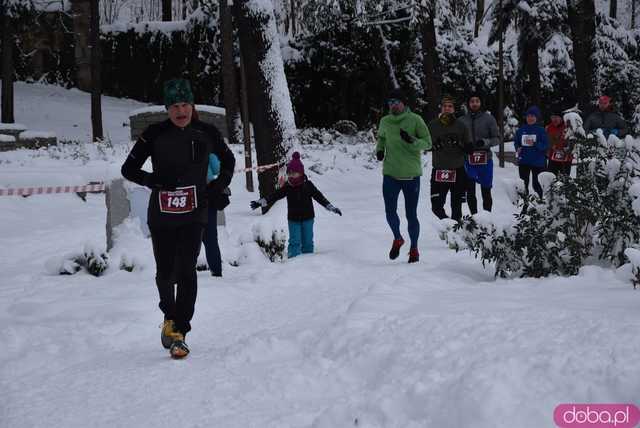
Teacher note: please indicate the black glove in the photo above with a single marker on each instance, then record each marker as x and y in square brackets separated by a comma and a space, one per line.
[480, 143]
[380, 155]
[406, 137]
[454, 142]
[219, 184]
[155, 181]
[334, 210]
[257, 204]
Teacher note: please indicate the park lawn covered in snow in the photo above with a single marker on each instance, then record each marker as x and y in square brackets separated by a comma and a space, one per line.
[341, 338]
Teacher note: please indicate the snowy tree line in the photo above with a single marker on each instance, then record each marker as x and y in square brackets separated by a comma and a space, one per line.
[342, 56]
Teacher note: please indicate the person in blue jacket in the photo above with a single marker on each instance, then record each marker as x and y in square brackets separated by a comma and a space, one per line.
[216, 203]
[531, 144]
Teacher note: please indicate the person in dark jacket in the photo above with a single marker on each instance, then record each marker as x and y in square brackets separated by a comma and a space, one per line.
[531, 144]
[606, 119]
[217, 202]
[179, 149]
[300, 193]
[479, 163]
[451, 142]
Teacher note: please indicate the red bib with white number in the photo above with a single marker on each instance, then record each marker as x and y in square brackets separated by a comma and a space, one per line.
[445, 175]
[180, 201]
[478, 158]
[529, 140]
[559, 155]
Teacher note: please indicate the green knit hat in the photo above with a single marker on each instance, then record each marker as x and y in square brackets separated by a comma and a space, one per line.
[177, 91]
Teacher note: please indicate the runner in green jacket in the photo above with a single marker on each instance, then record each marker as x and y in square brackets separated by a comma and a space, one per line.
[402, 137]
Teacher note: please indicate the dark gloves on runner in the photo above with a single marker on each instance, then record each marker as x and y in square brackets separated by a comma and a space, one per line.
[406, 137]
[219, 184]
[155, 181]
[380, 155]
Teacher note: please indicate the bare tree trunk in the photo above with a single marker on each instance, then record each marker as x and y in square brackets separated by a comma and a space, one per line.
[532, 71]
[613, 9]
[270, 107]
[386, 58]
[230, 87]
[479, 15]
[7, 64]
[81, 12]
[583, 31]
[500, 115]
[634, 5]
[96, 81]
[166, 10]
[431, 63]
[294, 10]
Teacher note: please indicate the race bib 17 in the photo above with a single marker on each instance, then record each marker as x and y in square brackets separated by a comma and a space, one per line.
[180, 201]
[478, 158]
[446, 175]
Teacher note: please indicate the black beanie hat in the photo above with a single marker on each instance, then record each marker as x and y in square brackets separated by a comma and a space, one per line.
[476, 94]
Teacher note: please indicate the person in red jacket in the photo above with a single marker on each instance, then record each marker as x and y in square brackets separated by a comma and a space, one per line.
[560, 156]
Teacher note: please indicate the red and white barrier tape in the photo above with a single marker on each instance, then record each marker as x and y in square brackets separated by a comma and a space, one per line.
[98, 187]
[25, 191]
[260, 168]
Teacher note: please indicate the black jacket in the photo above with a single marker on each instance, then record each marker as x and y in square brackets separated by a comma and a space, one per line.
[299, 200]
[451, 143]
[180, 156]
[606, 120]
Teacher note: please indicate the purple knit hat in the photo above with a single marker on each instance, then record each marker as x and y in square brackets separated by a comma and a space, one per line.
[295, 165]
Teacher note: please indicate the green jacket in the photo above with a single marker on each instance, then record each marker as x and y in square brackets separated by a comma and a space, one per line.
[401, 159]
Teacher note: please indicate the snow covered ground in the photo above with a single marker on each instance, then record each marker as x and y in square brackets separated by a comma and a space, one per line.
[341, 338]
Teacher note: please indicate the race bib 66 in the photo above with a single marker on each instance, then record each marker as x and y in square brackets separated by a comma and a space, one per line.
[446, 175]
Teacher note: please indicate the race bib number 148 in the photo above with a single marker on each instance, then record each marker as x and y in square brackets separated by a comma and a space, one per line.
[180, 201]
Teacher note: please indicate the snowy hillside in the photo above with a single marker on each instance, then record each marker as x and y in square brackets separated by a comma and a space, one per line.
[340, 338]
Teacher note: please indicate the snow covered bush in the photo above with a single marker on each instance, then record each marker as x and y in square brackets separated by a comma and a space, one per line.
[333, 136]
[511, 124]
[589, 216]
[271, 241]
[635, 122]
[634, 255]
[127, 264]
[93, 261]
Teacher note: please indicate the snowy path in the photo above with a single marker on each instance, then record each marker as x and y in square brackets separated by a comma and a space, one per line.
[322, 340]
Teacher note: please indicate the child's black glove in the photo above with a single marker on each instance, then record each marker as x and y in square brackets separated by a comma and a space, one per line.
[380, 155]
[259, 203]
[334, 210]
